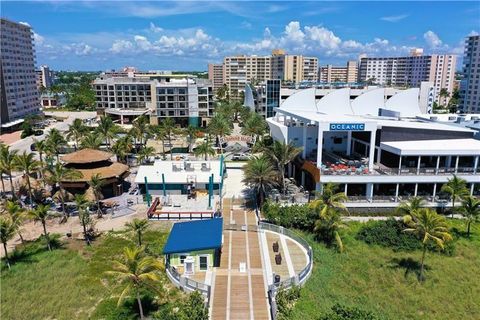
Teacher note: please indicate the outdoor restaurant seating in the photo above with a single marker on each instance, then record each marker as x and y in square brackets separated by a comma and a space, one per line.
[351, 168]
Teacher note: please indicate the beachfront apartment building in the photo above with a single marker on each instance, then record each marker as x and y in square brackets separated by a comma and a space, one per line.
[186, 99]
[470, 85]
[348, 73]
[215, 75]
[380, 151]
[19, 93]
[410, 71]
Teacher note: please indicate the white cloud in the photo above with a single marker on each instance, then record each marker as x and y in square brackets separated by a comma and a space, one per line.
[39, 40]
[323, 37]
[25, 23]
[293, 32]
[432, 39]
[120, 46]
[394, 18]
[473, 33]
[154, 28]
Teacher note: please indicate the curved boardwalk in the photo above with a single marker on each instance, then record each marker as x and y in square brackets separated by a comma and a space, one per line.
[239, 294]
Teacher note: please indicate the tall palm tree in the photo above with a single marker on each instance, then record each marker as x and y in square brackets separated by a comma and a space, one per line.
[470, 210]
[145, 154]
[457, 189]
[220, 127]
[140, 129]
[76, 131]
[328, 199]
[83, 215]
[138, 227]
[159, 133]
[42, 148]
[26, 162]
[107, 129]
[7, 165]
[91, 141]
[8, 228]
[168, 127]
[17, 214]
[55, 142]
[254, 126]
[205, 149]
[328, 225]
[56, 175]
[41, 214]
[191, 133]
[281, 154]
[429, 227]
[260, 176]
[122, 147]
[408, 207]
[136, 271]
[96, 183]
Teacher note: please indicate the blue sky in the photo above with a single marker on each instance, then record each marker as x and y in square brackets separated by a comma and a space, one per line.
[184, 35]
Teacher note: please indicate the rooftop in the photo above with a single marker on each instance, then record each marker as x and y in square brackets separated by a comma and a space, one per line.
[86, 156]
[194, 236]
[179, 172]
[434, 147]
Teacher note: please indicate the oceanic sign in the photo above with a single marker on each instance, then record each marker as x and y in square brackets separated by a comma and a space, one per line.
[347, 126]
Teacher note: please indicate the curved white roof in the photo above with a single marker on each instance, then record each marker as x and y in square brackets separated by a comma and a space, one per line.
[303, 100]
[336, 102]
[369, 102]
[405, 102]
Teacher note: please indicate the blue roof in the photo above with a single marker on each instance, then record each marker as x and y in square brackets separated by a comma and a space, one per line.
[194, 236]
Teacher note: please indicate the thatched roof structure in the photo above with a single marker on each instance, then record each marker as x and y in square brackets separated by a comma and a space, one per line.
[86, 156]
[90, 196]
[113, 170]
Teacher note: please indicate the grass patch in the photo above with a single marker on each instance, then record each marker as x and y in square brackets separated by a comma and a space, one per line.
[68, 283]
[384, 282]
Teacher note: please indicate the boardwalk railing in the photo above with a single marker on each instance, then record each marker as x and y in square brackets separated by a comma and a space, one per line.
[187, 284]
[298, 279]
[175, 215]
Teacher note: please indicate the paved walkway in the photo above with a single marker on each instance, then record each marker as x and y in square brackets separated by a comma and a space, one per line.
[239, 290]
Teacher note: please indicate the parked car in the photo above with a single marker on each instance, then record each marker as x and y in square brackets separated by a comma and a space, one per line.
[38, 132]
[33, 147]
[240, 157]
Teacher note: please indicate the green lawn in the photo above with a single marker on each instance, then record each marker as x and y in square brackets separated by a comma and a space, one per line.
[376, 279]
[67, 283]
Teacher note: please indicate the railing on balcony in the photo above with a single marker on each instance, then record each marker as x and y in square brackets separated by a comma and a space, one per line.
[187, 283]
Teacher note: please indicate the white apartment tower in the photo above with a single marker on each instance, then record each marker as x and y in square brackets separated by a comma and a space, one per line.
[240, 70]
[44, 77]
[19, 94]
[411, 71]
[470, 91]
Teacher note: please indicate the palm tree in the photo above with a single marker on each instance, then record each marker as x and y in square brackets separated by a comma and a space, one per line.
[17, 214]
[7, 164]
[76, 131]
[41, 213]
[470, 210]
[83, 215]
[107, 129]
[42, 148]
[55, 142]
[457, 189]
[281, 154]
[140, 129]
[145, 154]
[408, 207]
[136, 271]
[254, 126]
[191, 133]
[122, 147]
[96, 183]
[138, 227]
[327, 227]
[260, 176]
[328, 199]
[429, 227]
[8, 228]
[168, 128]
[92, 141]
[159, 133]
[220, 127]
[56, 175]
[205, 149]
[26, 162]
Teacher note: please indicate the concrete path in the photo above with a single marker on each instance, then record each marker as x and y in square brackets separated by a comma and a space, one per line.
[239, 290]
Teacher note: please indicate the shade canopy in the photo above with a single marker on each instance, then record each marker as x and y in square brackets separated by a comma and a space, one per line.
[194, 236]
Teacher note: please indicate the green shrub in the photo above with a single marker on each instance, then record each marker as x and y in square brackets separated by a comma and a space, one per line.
[389, 233]
[340, 312]
[286, 299]
[296, 216]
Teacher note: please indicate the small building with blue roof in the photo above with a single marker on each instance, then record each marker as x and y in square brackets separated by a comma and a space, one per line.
[194, 246]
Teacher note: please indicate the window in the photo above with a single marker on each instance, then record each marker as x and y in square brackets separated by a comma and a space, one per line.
[182, 258]
[203, 263]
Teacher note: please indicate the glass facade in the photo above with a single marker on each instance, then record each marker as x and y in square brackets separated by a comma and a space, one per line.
[273, 97]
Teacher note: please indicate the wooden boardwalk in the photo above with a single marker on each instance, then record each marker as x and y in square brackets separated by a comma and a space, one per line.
[236, 294]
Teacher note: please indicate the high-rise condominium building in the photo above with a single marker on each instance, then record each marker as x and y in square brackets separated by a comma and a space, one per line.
[186, 99]
[19, 94]
[215, 75]
[299, 68]
[331, 73]
[411, 71]
[240, 70]
[470, 86]
[44, 77]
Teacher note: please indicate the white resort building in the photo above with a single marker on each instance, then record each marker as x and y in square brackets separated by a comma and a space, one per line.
[380, 151]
